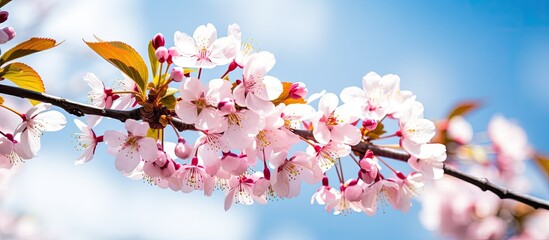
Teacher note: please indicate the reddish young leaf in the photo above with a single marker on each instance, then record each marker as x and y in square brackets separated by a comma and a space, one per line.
[464, 108]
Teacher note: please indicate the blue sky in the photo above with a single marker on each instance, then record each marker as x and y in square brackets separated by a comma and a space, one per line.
[444, 51]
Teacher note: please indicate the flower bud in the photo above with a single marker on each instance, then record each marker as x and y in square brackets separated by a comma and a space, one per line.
[7, 33]
[158, 41]
[3, 16]
[172, 52]
[369, 124]
[168, 169]
[227, 105]
[177, 74]
[161, 54]
[298, 90]
[182, 149]
[353, 192]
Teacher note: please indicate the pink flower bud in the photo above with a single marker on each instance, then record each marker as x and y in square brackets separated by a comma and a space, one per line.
[3, 16]
[161, 54]
[173, 52]
[7, 33]
[369, 124]
[158, 41]
[227, 105]
[298, 90]
[177, 74]
[168, 169]
[353, 192]
[182, 149]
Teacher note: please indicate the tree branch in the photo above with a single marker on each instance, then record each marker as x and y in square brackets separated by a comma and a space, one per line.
[79, 109]
[75, 108]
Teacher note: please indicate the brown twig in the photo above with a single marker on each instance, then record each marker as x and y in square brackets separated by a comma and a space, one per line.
[79, 109]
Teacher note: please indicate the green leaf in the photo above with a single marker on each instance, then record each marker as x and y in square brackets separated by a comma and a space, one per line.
[152, 59]
[23, 76]
[125, 58]
[4, 2]
[169, 101]
[543, 163]
[464, 108]
[30, 46]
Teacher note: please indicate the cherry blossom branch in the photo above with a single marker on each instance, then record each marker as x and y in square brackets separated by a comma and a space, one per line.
[80, 109]
[483, 183]
[75, 108]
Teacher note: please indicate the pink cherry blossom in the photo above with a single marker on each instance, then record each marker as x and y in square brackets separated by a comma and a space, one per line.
[379, 97]
[12, 152]
[429, 160]
[87, 140]
[385, 190]
[36, 121]
[325, 194]
[244, 50]
[414, 129]
[99, 95]
[334, 123]
[349, 199]
[132, 147]
[257, 89]
[409, 186]
[294, 114]
[325, 156]
[241, 191]
[204, 49]
[289, 173]
[198, 103]
[209, 145]
[234, 164]
[459, 130]
[243, 126]
[193, 177]
[510, 143]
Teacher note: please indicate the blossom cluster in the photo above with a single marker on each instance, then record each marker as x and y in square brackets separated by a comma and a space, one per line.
[247, 129]
[463, 211]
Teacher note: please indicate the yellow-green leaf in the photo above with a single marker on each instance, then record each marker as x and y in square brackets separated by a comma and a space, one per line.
[376, 133]
[125, 58]
[543, 163]
[154, 133]
[169, 102]
[286, 86]
[171, 91]
[4, 2]
[464, 108]
[23, 76]
[153, 60]
[30, 46]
